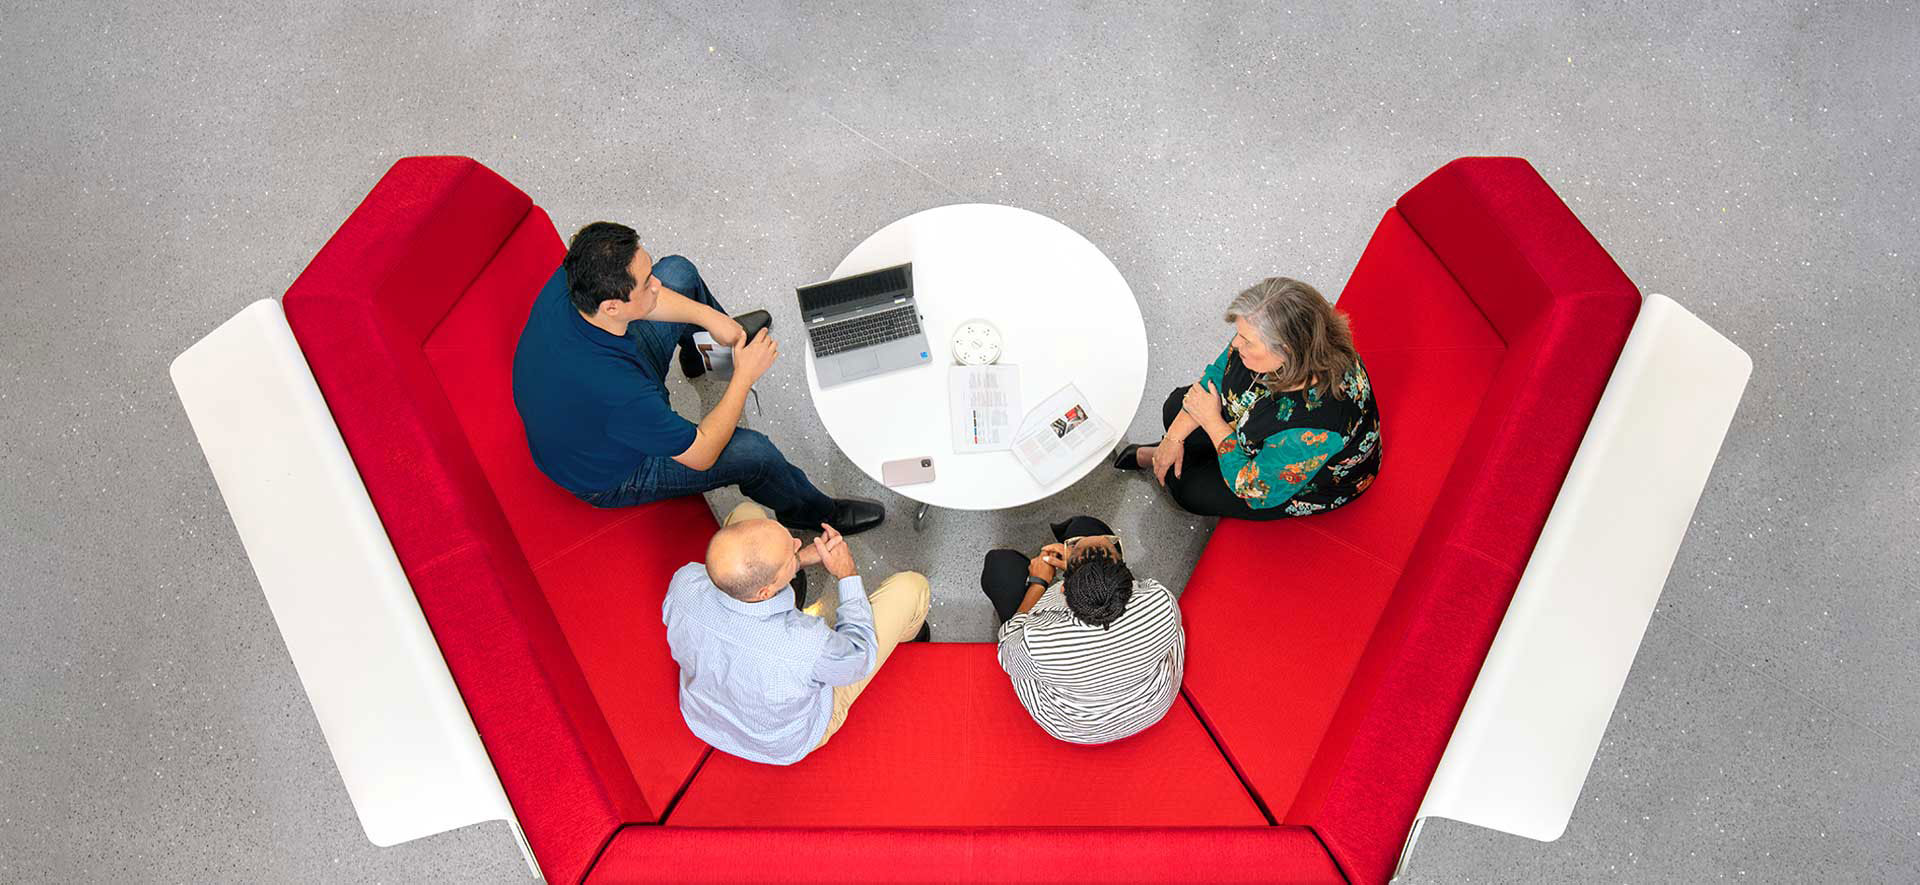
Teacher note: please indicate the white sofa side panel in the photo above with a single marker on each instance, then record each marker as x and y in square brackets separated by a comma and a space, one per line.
[1528, 734]
[404, 743]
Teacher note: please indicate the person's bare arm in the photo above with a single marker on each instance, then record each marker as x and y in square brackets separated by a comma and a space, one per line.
[1182, 427]
[1169, 452]
[674, 307]
[1043, 567]
[716, 429]
[818, 553]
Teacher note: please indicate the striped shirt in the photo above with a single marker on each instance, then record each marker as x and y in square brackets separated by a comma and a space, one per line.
[1089, 685]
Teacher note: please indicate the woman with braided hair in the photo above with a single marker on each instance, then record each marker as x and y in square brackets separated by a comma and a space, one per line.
[1095, 654]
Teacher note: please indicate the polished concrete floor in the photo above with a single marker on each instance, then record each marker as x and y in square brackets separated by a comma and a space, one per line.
[162, 165]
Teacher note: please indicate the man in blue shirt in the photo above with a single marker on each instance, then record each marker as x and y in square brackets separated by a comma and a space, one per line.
[589, 381]
[758, 679]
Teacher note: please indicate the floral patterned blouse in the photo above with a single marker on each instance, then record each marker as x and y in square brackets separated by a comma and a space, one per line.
[1302, 450]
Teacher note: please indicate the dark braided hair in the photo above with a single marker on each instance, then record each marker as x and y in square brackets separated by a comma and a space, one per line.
[1097, 587]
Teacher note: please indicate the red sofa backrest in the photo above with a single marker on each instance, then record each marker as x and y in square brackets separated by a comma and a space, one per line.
[362, 311]
[1563, 309]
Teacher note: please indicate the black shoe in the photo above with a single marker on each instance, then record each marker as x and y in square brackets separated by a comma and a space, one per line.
[925, 634]
[851, 516]
[691, 365]
[1128, 458]
[799, 584]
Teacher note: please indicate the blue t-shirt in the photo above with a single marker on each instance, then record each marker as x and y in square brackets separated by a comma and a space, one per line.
[592, 408]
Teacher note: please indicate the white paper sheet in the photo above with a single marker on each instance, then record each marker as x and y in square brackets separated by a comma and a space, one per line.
[1058, 434]
[984, 403]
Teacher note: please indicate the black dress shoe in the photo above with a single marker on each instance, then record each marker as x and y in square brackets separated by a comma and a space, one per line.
[851, 516]
[799, 585]
[1128, 458]
[691, 365]
[925, 634]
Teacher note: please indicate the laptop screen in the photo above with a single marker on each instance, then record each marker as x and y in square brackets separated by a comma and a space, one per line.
[856, 292]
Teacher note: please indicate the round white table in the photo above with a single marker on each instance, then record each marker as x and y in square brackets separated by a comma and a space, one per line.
[1065, 317]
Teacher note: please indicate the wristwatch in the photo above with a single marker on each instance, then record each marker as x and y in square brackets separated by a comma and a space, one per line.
[1043, 582]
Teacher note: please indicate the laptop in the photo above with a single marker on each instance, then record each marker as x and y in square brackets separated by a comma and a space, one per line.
[862, 325]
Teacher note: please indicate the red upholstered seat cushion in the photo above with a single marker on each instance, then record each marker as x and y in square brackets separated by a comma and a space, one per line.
[1285, 855]
[1431, 356]
[1275, 621]
[606, 591]
[1279, 613]
[603, 572]
[939, 740]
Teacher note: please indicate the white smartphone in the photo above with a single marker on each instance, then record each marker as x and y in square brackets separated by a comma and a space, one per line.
[906, 472]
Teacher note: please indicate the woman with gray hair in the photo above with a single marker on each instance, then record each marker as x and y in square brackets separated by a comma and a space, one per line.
[1286, 416]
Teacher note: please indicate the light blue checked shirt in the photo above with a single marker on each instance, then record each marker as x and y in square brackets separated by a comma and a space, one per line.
[757, 678]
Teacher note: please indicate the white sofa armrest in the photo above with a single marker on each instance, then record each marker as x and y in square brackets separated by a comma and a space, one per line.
[1528, 735]
[400, 735]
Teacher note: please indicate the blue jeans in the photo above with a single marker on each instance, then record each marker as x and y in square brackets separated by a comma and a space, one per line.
[750, 460]
[655, 340]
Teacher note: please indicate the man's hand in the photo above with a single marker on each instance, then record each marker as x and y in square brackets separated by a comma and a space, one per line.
[755, 358]
[833, 552]
[1168, 455]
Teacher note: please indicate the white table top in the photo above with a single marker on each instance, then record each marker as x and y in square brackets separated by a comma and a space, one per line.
[1065, 316]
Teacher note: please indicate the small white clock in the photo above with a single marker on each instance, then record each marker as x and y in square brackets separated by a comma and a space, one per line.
[976, 343]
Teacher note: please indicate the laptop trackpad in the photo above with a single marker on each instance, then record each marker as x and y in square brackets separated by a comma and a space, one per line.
[860, 362]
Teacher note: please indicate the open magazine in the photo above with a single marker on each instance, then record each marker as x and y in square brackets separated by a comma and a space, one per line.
[1059, 433]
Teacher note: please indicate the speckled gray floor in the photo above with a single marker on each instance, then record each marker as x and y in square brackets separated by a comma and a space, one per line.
[162, 167]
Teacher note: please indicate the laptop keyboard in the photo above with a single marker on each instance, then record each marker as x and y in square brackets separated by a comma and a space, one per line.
[866, 331]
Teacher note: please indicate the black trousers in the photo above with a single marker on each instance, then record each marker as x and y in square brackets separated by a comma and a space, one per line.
[1200, 488]
[1004, 576]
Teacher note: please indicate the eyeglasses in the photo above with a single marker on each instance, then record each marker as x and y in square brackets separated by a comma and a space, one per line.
[1073, 543]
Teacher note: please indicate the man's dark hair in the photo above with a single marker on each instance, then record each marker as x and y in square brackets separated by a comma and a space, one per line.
[596, 264]
[1097, 587]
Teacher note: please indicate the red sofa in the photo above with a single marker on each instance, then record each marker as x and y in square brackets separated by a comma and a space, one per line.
[1328, 657]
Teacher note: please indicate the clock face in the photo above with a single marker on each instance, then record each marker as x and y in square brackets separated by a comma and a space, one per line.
[976, 343]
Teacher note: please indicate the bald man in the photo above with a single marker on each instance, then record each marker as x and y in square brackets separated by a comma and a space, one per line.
[759, 679]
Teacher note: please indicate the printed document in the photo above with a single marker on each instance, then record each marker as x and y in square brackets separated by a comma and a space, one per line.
[984, 402]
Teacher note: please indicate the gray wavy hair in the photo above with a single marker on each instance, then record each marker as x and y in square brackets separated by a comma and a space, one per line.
[1297, 323]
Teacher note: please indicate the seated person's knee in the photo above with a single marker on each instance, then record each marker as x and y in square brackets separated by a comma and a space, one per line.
[677, 273]
[1006, 556]
[1181, 490]
[907, 577]
[753, 445]
[748, 452]
[919, 584]
[1168, 411]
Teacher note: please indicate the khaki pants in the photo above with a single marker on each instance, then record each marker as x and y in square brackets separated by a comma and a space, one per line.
[899, 609]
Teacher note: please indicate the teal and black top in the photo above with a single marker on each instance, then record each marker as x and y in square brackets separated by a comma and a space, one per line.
[1304, 450]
